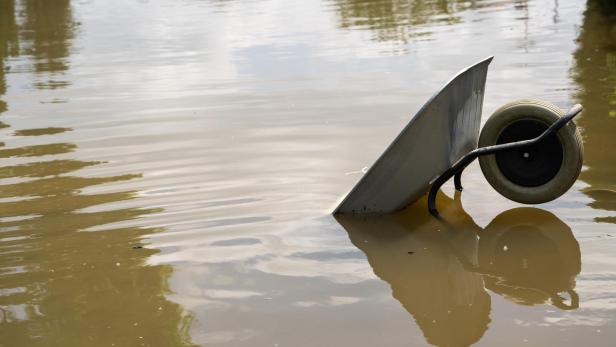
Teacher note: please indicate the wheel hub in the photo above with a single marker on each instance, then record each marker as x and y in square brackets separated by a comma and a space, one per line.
[530, 166]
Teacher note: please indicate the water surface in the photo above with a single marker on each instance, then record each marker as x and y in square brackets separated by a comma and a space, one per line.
[169, 168]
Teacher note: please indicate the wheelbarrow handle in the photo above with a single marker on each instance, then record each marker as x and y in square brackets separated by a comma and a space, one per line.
[460, 165]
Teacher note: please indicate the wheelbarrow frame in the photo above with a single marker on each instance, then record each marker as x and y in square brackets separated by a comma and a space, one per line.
[457, 169]
[438, 143]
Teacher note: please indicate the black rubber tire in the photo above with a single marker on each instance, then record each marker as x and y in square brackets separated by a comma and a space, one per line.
[559, 180]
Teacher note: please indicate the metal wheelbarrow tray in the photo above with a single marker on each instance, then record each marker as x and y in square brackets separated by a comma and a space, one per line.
[442, 139]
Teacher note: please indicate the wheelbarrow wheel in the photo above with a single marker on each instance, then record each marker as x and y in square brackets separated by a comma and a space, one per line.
[535, 174]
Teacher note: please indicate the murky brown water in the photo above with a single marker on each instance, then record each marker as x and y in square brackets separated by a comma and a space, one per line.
[168, 169]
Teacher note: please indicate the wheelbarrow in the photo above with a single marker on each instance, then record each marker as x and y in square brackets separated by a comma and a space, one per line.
[529, 150]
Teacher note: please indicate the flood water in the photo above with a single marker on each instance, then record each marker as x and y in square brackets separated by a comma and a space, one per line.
[168, 170]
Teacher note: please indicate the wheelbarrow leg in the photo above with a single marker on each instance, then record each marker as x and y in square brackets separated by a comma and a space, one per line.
[457, 168]
[457, 180]
[438, 183]
[455, 172]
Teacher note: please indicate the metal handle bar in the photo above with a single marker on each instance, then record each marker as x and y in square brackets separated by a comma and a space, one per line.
[460, 165]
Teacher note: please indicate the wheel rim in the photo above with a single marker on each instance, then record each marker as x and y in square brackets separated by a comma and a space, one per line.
[531, 166]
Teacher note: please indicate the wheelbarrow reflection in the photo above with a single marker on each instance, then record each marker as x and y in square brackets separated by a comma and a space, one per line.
[440, 271]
